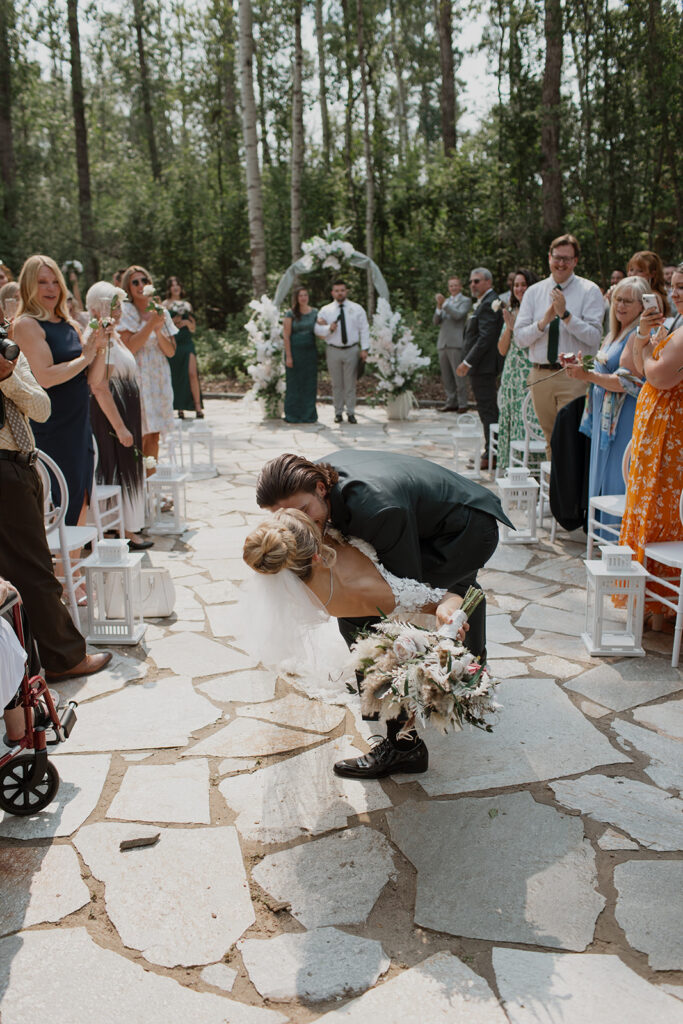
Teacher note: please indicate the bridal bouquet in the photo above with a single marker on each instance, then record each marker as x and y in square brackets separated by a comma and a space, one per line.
[426, 673]
[267, 368]
[394, 357]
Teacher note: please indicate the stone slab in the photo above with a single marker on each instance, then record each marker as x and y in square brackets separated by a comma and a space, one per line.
[500, 629]
[650, 909]
[496, 650]
[39, 884]
[504, 603]
[219, 976]
[297, 713]
[254, 686]
[514, 889]
[665, 755]
[613, 840]
[247, 737]
[334, 880]
[567, 988]
[627, 683]
[124, 990]
[553, 620]
[516, 585]
[300, 796]
[538, 735]
[560, 645]
[81, 782]
[507, 558]
[593, 710]
[561, 570]
[119, 671]
[238, 764]
[558, 668]
[666, 718]
[314, 966]
[186, 605]
[187, 627]
[197, 656]
[571, 599]
[440, 989]
[222, 619]
[504, 668]
[149, 715]
[645, 813]
[164, 792]
[220, 592]
[183, 901]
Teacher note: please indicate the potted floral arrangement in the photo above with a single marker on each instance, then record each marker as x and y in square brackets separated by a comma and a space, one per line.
[395, 359]
[267, 367]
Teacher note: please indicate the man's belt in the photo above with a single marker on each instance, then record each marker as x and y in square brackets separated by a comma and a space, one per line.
[547, 366]
[354, 344]
[23, 458]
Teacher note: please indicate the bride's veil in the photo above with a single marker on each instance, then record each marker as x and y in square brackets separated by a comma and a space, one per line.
[282, 624]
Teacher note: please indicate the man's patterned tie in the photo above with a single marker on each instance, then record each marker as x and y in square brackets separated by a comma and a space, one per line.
[17, 426]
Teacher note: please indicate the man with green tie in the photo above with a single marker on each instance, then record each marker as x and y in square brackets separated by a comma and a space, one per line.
[562, 313]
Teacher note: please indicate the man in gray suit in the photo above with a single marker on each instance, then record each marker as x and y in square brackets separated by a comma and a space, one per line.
[451, 314]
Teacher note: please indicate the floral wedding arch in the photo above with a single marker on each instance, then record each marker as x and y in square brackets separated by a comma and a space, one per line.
[394, 358]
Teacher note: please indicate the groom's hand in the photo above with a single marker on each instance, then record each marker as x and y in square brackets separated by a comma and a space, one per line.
[444, 613]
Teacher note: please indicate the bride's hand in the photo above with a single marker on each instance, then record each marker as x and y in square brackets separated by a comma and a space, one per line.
[444, 613]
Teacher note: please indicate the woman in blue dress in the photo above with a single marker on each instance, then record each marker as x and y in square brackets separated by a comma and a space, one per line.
[62, 365]
[301, 360]
[615, 385]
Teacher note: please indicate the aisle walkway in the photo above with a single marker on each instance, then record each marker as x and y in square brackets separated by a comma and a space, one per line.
[533, 875]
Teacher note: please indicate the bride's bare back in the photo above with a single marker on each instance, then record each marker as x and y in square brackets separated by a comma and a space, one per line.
[359, 588]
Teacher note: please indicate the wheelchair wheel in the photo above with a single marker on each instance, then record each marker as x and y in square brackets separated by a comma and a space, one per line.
[19, 793]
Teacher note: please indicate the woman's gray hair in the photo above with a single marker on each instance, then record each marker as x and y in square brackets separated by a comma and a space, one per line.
[100, 296]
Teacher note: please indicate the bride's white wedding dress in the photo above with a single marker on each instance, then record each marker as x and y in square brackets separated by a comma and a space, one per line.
[283, 625]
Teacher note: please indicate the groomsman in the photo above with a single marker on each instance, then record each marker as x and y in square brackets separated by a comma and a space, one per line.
[481, 352]
[451, 314]
[344, 326]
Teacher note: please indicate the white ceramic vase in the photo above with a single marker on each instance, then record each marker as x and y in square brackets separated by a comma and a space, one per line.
[399, 406]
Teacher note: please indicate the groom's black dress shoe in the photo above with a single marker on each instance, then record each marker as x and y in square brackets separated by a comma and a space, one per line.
[384, 759]
[338, 418]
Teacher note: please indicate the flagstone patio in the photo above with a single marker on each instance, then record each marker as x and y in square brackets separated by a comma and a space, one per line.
[532, 875]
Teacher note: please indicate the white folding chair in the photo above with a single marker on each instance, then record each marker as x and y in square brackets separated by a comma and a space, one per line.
[544, 508]
[63, 540]
[106, 504]
[608, 504]
[529, 452]
[493, 447]
[670, 554]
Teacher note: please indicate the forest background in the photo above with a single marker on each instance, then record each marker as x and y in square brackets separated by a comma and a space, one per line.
[202, 138]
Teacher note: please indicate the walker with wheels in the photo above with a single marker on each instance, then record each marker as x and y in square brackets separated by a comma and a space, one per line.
[28, 780]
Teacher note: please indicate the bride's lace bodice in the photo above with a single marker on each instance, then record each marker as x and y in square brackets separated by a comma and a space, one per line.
[410, 595]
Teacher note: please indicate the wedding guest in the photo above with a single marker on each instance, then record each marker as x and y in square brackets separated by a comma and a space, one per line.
[184, 375]
[76, 311]
[649, 266]
[480, 360]
[116, 415]
[149, 334]
[63, 366]
[450, 316]
[5, 274]
[656, 469]
[301, 359]
[668, 271]
[506, 296]
[615, 384]
[512, 391]
[9, 300]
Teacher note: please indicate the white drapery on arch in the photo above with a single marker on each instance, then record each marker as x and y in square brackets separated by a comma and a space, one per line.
[303, 266]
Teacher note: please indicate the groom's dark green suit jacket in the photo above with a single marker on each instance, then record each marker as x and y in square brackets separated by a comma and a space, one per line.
[424, 521]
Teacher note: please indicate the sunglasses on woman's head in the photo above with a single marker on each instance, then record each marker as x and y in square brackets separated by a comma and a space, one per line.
[137, 281]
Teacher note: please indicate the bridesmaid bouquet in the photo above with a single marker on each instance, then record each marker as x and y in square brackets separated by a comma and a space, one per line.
[428, 674]
[154, 305]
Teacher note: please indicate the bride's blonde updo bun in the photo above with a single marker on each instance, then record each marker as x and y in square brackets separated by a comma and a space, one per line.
[287, 539]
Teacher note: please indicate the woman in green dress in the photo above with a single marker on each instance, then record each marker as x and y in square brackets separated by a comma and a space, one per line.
[301, 360]
[184, 376]
[515, 372]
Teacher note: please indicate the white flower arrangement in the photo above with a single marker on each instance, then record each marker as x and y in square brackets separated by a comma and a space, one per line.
[397, 363]
[75, 265]
[267, 368]
[426, 674]
[329, 250]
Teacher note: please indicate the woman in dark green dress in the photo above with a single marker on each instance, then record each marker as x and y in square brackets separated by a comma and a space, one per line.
[301, 360]
[184, 375]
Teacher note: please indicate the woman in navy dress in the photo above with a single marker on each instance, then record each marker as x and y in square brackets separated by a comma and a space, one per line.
[52, 344]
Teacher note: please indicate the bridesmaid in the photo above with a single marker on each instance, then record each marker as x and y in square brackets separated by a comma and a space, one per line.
[515, 372]
[64, 367]
[185, 378]
[301, 360]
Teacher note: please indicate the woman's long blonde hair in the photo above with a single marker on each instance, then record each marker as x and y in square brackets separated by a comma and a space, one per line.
[287, 539]
[28, 290]
[638, 287]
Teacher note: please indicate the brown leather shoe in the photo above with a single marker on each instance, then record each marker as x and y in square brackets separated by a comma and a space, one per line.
[87, 667]
[484, 464]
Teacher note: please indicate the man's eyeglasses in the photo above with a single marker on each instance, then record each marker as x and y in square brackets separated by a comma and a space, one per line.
[137, 281]
[562, 259]
[475, 280]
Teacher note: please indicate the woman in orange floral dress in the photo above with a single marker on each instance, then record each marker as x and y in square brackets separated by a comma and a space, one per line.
[656, 472]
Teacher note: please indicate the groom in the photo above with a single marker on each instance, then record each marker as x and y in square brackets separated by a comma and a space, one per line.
[425, 522]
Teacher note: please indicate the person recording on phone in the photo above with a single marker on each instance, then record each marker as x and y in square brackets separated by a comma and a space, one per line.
[561, 314]
[344, 326]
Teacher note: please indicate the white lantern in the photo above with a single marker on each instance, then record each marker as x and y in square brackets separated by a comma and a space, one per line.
[518, 496]
[112, 573]
[167, 487]
[468, 441]
[200, 438]
[609, 630]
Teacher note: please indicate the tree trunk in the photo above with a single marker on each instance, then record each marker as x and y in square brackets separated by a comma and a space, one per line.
[367, 152]
[81, 132]
[322, 84]
[551, 177]
[401, 100]
[261, 81]
[257, 241]
[145, 91]
[444, 19]
[349, 64]
[297, 135]
[8, 167]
